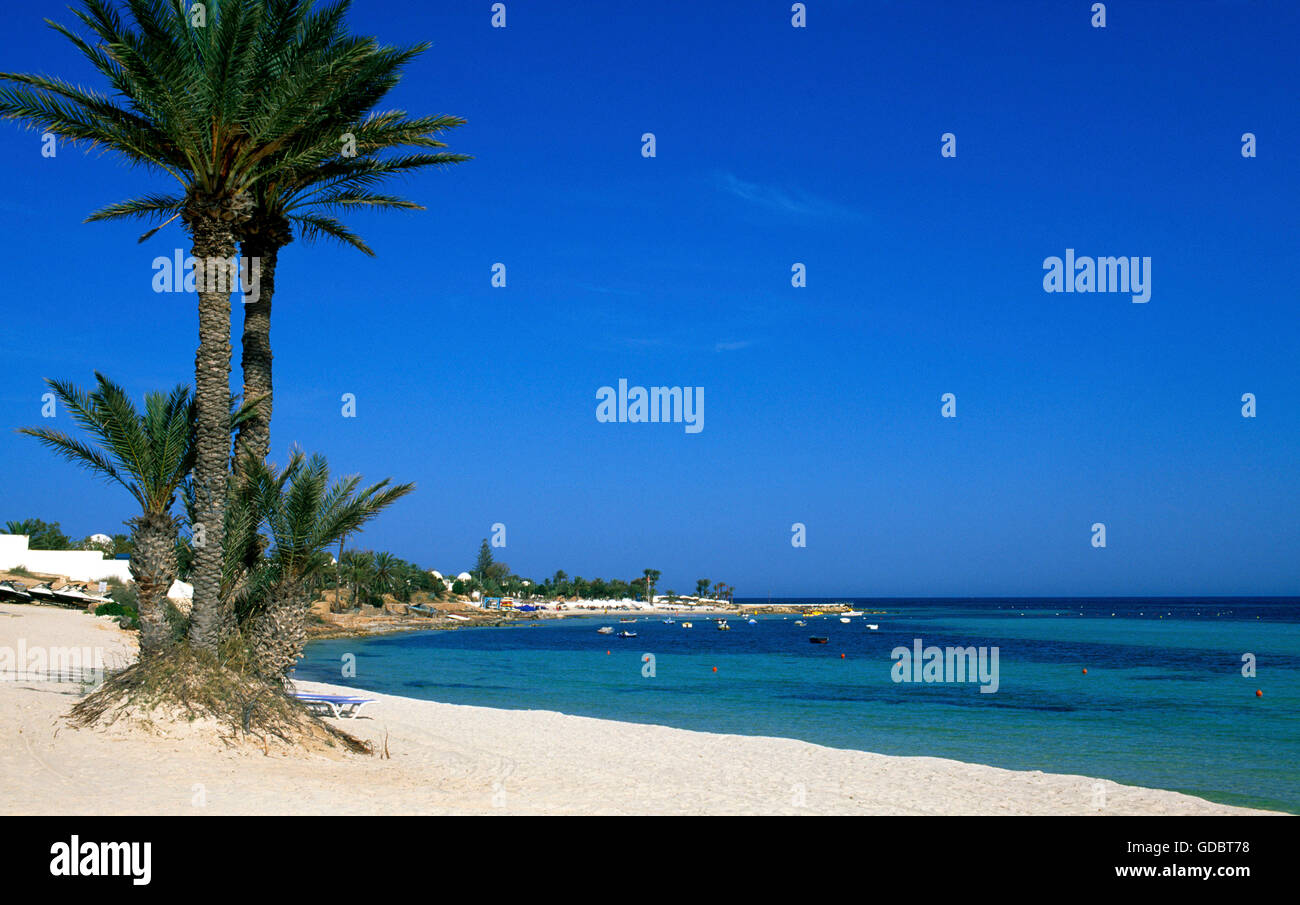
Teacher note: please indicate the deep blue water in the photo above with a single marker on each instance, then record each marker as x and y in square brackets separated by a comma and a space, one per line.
[1163, 704]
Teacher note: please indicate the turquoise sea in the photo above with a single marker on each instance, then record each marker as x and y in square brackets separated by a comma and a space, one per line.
[1163, 703]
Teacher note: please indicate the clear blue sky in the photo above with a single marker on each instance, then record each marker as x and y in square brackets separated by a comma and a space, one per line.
[822, 404]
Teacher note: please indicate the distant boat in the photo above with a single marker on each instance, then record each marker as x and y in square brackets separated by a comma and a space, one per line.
[605, 630]
[670, 621]
[816, 640]
[853, 613]
[722, 626]
[626, 634]
[627, 620]
[458, 618]
[845, 619]
[688, 625]
[872, 626]
[800, 622]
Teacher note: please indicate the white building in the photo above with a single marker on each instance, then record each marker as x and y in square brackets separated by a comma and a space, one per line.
[78, 565]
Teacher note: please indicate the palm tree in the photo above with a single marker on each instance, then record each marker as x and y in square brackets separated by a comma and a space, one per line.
[388, 573]
[304, 515]
[40, 535]
[149, 453]
[310, 200]
[258, 81]
[357, 569]
[651, 577]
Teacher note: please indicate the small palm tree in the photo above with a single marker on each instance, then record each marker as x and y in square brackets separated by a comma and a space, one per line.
[149, 453]
[304, 515]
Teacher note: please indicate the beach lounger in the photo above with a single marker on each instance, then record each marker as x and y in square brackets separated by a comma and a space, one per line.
[339, 707]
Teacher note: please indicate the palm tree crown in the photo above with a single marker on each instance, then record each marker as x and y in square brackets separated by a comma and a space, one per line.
[149, 453]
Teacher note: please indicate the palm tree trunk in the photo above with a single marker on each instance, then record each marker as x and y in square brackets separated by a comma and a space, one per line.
[153, 569]
[212, 226]
[254, 436]
[279, 633]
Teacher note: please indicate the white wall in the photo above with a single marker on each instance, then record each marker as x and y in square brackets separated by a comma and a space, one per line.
[78, 565]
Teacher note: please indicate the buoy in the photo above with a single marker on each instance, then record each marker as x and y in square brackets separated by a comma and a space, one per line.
[1085, 672]
[607, 654]
[715, 669]
[1258, 693]
[841, 656]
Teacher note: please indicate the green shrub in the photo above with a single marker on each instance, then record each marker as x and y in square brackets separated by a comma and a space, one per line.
[127, 617]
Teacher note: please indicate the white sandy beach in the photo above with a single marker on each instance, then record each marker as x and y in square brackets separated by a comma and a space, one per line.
[450, 759]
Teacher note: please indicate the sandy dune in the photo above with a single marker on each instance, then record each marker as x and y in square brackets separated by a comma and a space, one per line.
[449, 759]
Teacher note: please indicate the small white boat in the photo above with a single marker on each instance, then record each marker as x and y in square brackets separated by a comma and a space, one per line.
[458, 618]
[845, 619]
[669, 621]
[605, 630]
[800, 622]
[853, 613]
[626, 634]
[688, 625]
[872, 626]
[752, 622]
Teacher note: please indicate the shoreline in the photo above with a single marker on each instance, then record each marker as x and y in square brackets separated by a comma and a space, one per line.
[461, 759]
[858, 783]
[332, 626]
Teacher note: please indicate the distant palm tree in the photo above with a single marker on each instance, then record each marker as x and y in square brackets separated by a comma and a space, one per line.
[26, 526]
[224, 109]
[388, 573]
[651, 577]
[149, 453]
[40, 535]
[357, 568]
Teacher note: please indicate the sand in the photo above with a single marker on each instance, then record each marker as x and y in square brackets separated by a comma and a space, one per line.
[451, 759]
